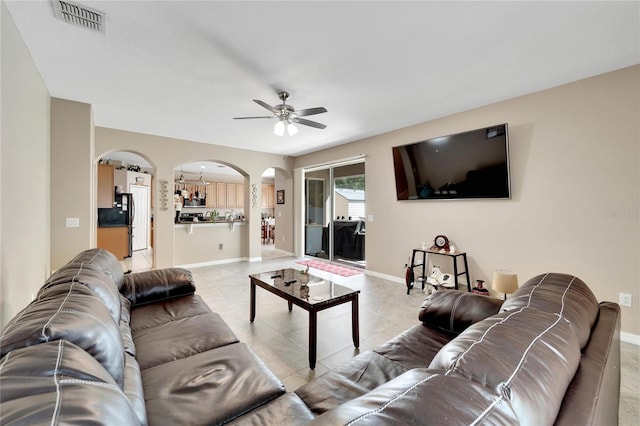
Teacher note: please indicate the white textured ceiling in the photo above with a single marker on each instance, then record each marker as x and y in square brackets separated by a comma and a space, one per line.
[184, 69]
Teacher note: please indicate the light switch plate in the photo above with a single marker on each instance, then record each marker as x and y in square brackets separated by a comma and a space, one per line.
[73, 222]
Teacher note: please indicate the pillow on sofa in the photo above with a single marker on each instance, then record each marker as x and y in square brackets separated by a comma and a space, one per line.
[59, 383]
[69, 312]
[453, 311]
[160, 284]
[560, 294]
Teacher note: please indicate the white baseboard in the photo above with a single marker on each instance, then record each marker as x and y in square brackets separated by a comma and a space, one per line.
[385, 276]
[634, 339]
[213, 263]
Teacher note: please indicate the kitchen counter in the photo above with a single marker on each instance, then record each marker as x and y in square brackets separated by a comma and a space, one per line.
[208, 222]
[209, 243]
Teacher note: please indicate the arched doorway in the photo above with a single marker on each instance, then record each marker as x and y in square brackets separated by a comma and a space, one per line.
[276, 236]
[125, 208]
[209, 222]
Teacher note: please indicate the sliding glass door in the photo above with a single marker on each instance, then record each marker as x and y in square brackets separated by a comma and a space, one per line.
[335, 213]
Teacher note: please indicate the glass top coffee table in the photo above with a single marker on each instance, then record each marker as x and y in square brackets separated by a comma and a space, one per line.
[312, 294]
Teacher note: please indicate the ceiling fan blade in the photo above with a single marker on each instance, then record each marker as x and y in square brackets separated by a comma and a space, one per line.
[267, 106]
[248, 118]
[310, 111]
[309, 123]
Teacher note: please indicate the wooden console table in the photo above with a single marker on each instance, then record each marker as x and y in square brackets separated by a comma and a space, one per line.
[454, 258]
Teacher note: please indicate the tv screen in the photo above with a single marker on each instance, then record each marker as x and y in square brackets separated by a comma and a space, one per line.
[473, 164]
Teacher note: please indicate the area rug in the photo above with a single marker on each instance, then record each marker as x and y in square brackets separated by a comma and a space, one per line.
[330, 267]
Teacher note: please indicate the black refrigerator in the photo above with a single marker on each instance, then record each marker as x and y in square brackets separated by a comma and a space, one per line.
[120, 215]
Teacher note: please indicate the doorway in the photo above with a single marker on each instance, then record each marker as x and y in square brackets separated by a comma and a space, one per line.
[141, 217]
[335, 213]
[128, 172]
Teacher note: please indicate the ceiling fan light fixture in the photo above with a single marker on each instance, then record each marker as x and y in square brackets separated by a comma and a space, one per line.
[278, 129]
[291, 129]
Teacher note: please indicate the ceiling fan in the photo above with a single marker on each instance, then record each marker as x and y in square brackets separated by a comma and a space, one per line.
[287, 115]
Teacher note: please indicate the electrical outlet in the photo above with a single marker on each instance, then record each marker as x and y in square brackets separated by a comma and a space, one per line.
[220, 246]
[625, 299]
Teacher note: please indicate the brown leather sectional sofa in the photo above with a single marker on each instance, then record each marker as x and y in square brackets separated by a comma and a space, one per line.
[549, 355]
[154, 353]
[100, 347]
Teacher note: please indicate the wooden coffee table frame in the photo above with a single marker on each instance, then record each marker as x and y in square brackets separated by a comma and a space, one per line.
[313, 309]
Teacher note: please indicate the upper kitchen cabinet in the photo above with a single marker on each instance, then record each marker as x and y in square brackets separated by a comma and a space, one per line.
[211, 195]
[221, 194]
[105, 186]
[231, 195]
[126, 178]
[240, 195]
[268, 196]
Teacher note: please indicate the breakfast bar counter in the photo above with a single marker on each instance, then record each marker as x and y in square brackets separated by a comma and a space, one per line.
[207, 243]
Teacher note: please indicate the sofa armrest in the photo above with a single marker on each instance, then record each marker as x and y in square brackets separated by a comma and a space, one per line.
[453, 311]
[157, 285]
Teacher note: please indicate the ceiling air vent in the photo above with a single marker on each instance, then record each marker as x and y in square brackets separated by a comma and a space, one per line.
[82, 16]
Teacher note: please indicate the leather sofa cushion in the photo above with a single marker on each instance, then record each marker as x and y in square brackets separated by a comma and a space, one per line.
[414, 347]
[559, 294]
[59, 383]
[125, 326]
[527, 356]
[69, 312]
[153, 315]
[92, 277]
[208, 388]
[181, 338]
[593, 395]
[423, 397]
[105, 261]
[133, 387]
[287, 409]
[157, 285]
[354, 378]
[453, 311]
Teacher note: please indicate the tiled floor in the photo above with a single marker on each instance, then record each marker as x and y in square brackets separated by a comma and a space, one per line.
[280, 337]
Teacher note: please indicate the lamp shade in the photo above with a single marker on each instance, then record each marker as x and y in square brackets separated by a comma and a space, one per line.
[505, 282]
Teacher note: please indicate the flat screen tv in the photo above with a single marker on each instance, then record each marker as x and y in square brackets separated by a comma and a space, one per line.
[473, 164]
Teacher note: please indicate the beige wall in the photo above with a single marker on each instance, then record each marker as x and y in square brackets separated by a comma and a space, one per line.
[73, 177]
[575, 184]
[202, 245]
[165, 154]
[284, 212]
[24, 174]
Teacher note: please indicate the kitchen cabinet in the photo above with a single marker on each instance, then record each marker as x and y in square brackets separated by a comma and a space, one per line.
[211, 195]
[268, 196]
[106, 188]
[240, 195]
[231, 195]
[114, 239]
[126, 178]
[221, 194]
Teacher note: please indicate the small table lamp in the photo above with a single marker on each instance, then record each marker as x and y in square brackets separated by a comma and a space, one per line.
[505, 282]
